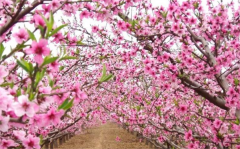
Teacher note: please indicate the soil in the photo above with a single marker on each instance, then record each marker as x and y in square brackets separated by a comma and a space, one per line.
[104, 137]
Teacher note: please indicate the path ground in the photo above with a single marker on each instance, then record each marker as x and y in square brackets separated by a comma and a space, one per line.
[104, 137]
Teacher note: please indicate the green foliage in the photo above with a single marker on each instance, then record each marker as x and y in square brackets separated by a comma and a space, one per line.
[39, 77]
[237, 122]
[138, 108]
[56, 30]
[66, 104]
[236, 81]
[105, 77]
[31, 35]
[1, 50]
[164, 14]
[67, 58]
[48, 60]
[49, 23]
[28, 67]
[195, 5]
[61, 68]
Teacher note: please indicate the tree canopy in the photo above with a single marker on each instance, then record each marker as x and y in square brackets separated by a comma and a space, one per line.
[170, 73]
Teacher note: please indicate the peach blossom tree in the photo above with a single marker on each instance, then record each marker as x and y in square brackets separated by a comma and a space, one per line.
[169, 73]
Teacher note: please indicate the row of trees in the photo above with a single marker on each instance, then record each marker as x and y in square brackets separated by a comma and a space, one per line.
[172, 74]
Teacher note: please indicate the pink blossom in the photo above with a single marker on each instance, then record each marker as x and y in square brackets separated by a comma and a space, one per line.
[45, 90]
[4, 122]
[31, 142]
[58, 37]
[54, 66]
[37, 120]
[19, 134]
[84, 14]
[192, 146]
[5, 144]
[53, 117]
[39, 49]
[183, 108]
[217, 123]
[188, 135]
[118, 139]
[4, 99]
[192, 21]
[79, 95]
[24, 106]
[38, 20]
[95, 29]
[21, 35]
[55, 4]
[46, 8]
[3, 73]
[61, 97]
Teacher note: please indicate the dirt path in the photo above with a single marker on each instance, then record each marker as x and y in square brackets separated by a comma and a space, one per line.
[104, 137]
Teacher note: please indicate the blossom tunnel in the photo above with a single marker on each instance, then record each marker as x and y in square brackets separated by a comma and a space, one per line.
[169, 73]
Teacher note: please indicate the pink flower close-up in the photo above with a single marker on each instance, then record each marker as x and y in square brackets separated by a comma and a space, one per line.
[188, 135]
[5, 144]
[52, 116]
[31, 142]
[38, 20]
[24, 106]
[21, 35]
[39, 49]
[19, 134]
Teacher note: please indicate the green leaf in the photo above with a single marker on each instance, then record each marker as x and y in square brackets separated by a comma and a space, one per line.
[39, 76]
[5, 84]
[49, 24]
[41, 29]
[61, 68]
[237, 122]
[41, 139]
[56, 30]
[77, 51]
[104, 70]
[19, 92]
[66, 104]
[24, 65]
[195, 5]
[48, 60]
[11, 85]
[133, 23]
[67, 57]
[51, 83]
[31, 35]
[80, 42]
[69, 105]
[138, 108]
[106, 78]
[31, 96]
[45, 20]
[164, 14]
[148, 102]
[1, 50]
[51, 21]
[63, 104]
[236, 81]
